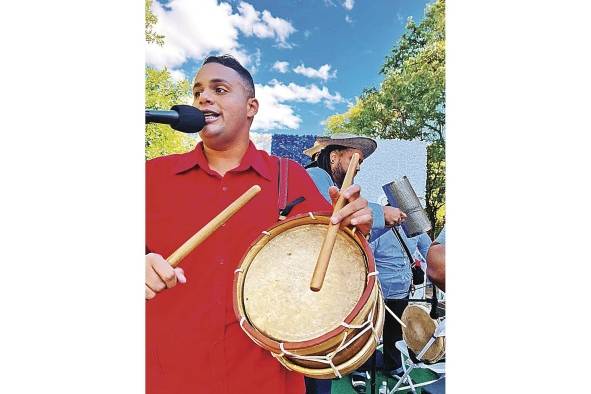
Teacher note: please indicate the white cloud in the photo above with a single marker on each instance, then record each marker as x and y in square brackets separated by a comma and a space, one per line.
[194, 29]
[348, 4]
[348, 19]
[177, 75]
[257, 61]
[249, 21]
[281, 66]
[323, 72]
[282, 28]
[275, 114]
[328, 3]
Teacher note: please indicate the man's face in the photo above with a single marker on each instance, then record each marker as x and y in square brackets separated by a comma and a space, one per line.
[340, 162]
[221, 94]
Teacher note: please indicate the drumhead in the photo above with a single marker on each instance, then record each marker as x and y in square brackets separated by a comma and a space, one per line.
[419, 329]
[276, 291]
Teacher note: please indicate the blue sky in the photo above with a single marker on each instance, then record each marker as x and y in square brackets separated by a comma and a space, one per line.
[309, 59]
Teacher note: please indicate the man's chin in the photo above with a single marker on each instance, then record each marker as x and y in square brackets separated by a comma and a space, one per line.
[210, 131]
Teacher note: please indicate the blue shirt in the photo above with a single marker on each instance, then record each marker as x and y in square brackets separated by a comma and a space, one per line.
[422, 242]
[392, 264]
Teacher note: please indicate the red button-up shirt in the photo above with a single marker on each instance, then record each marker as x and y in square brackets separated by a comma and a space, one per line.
[194, 343]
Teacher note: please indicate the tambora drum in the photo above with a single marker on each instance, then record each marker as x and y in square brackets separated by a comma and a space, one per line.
[323, 334]
[419, 329]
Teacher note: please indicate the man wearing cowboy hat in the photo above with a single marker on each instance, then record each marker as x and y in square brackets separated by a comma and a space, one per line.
[330, 159]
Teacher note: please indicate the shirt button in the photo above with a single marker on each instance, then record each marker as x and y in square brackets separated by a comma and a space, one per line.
[224, 188]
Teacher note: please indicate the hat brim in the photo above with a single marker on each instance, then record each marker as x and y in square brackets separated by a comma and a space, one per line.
[365, 144]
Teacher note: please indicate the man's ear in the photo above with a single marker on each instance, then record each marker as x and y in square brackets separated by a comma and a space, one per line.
[333, 156]
[252, 107]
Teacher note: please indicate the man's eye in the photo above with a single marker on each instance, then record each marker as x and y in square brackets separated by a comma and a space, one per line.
[196, 94]
[220, 90]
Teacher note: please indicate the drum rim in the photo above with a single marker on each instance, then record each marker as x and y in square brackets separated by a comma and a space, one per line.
[273, 345]
[350, 365]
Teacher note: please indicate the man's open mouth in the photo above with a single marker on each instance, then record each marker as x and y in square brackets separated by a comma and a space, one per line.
[210, 116]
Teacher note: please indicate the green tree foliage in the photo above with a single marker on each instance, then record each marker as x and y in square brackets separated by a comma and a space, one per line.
[151, 20]
[162, 92]
[410, 102]
[435, 197]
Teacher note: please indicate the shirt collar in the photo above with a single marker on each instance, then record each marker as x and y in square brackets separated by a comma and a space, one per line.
[252, 158]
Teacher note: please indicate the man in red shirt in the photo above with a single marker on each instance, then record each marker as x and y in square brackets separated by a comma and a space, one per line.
[194, 343]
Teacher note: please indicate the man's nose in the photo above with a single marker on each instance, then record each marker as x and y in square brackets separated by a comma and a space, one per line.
[205, 98]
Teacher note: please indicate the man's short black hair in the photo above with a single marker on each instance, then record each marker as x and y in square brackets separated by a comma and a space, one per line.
[230, 62]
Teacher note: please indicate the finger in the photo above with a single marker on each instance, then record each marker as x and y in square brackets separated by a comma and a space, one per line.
[180, 275]
[149, 293]
[348, 210]
[333, 192]
[153, 280]
[358, 217]
[352, 192]
[165, 272]
[362, 219]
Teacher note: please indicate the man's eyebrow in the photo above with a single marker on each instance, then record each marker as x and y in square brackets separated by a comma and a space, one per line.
[215, 80]
[219, 80]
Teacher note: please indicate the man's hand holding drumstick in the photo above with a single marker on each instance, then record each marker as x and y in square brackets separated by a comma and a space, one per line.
[355, 213]
[161, 275]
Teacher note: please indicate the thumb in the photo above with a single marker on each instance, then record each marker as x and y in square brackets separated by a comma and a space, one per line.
[180, 275]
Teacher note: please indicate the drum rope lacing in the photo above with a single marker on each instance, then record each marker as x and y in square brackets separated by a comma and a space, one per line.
[327, 359]
[394, 316]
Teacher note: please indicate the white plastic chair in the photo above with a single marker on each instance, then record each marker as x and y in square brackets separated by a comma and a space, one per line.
[438, 368]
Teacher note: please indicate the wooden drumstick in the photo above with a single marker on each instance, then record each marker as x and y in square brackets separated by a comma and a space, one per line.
[175, 258]
[331, 235]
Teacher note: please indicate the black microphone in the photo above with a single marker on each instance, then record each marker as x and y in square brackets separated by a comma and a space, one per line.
[185, 118]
